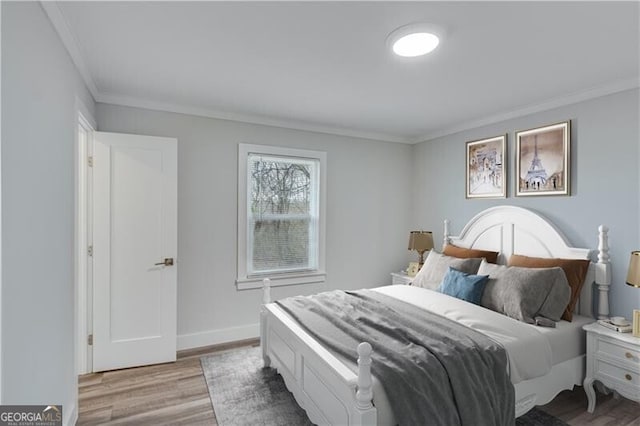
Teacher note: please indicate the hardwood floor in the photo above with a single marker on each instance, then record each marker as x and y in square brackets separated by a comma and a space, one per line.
[165, 394]
[176, 394]
[571, 406]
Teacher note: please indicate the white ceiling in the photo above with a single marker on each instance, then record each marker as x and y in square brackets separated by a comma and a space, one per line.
[325, 66]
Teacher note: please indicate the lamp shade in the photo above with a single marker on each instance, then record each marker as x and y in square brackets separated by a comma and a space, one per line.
[633, 276]
[420, 241]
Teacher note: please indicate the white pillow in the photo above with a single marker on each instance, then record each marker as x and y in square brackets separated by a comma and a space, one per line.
[436, 266]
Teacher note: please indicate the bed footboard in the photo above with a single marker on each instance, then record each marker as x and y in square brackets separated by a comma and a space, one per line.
[328, 390]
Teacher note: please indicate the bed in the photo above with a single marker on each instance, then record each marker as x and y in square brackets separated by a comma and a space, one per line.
[336, 392]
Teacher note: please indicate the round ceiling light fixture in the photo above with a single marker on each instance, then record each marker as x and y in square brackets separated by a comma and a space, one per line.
[414, 40]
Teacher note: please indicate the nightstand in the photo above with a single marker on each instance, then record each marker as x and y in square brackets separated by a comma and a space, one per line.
[400, 278]
[614, 359]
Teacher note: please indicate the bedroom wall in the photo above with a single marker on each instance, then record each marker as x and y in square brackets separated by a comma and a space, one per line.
[604, 181]
[39, 90]
[368, 197]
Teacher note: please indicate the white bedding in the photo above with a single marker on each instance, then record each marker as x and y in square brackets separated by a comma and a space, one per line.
[531, 350]
[567, 340]
[517, 337]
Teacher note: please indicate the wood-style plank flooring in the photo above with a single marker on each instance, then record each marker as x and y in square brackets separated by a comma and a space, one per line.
[571, 406]
[165, 394]
[176, 394]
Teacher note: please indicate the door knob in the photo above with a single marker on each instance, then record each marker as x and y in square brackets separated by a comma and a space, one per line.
[168, 261]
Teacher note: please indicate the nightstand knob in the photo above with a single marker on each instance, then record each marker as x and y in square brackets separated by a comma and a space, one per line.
[627, 376]
[628, 355]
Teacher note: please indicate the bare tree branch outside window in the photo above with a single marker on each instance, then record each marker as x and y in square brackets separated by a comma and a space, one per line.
[281, 207]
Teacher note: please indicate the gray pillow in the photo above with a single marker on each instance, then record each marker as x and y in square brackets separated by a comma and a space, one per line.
[436, 266]
[558, 298]
[518, 292]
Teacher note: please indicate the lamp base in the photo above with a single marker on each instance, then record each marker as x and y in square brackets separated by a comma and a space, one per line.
[421, 261]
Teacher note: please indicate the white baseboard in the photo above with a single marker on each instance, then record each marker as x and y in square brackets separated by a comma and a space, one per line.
[70, 414]
[214, 337]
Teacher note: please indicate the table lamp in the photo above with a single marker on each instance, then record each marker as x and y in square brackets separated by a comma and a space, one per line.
[633, 279]
[633, 276]
[420, 241]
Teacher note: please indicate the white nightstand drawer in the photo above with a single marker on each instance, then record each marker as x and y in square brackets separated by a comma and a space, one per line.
[398, 278]
[626, 377]
[614, 359]
[626, 354]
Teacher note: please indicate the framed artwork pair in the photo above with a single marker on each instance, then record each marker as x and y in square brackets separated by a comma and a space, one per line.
[542, 163]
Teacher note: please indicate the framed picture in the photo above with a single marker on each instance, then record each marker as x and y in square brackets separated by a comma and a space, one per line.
[486, 168]
[543, 160]
[636, 322]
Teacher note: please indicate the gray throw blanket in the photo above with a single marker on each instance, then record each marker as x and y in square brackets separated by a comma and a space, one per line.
[435, 371]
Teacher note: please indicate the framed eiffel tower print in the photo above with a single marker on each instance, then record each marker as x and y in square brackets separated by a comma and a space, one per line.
[486, 174]
[543, 160]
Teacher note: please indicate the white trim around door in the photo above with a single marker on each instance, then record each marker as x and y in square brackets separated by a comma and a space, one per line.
[85, 126]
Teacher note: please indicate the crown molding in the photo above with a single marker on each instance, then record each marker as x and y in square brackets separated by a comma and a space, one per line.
[61, 26]
[573, 98]
[246, 118]
[560, 101]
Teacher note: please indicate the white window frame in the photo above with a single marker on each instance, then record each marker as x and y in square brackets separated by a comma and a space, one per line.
[246, 282]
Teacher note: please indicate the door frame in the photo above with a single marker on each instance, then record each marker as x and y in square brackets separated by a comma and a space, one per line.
[1, 352]
[83, 284]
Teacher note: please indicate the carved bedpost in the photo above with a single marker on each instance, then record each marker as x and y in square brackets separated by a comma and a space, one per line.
[445, 239]
[364, 394]
[266, 298]
[603, 272]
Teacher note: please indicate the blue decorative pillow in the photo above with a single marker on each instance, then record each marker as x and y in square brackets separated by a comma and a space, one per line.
[463, 286]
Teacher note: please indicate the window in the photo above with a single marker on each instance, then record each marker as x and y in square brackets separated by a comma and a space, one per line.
[280, 216]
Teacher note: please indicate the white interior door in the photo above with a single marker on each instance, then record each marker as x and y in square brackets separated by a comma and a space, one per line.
[134, 250]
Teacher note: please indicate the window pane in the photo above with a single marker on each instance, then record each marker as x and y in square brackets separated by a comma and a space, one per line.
[280, 244]
[282, 213]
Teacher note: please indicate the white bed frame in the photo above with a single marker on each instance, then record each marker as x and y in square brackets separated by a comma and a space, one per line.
[331, 393]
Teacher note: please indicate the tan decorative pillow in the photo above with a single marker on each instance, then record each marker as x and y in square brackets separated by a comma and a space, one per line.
[436, 266]
[466, 253]
[574, 269]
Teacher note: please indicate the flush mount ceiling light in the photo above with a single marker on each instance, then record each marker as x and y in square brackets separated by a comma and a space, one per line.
[414, 40]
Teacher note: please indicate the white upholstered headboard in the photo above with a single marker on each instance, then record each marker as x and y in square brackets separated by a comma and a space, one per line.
[516, 230]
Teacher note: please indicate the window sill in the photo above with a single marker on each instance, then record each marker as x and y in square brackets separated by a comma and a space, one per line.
[281, 280]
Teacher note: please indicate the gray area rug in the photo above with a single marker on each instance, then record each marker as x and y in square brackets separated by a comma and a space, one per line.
[244, 393]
